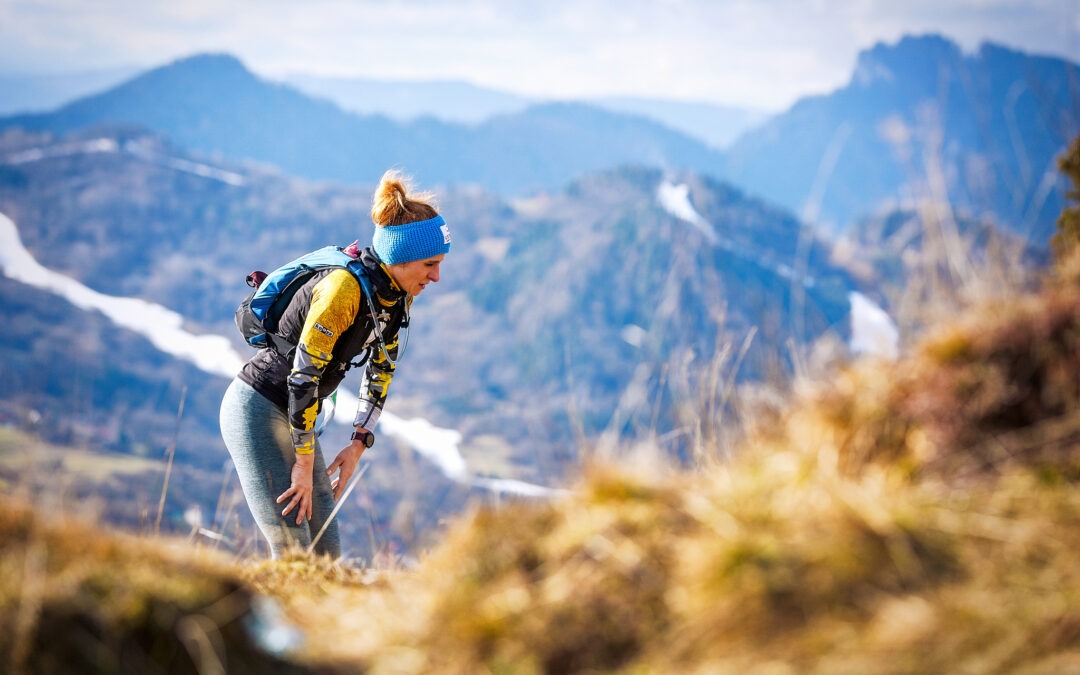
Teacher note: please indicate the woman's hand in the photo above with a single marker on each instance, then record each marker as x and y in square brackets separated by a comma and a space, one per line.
[301, 488]
[346, 460]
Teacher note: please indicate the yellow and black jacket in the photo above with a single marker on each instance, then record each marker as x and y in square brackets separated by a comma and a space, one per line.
[330, 322]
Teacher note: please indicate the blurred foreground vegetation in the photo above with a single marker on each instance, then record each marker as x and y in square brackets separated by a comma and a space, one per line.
[919, 516]
[916, 516]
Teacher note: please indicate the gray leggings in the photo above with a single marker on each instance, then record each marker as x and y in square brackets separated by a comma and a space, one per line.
[256, 432]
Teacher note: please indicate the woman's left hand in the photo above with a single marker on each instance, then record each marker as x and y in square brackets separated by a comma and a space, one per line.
[346, 461]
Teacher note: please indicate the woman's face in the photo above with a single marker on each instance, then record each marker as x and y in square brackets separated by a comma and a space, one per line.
[413, 277]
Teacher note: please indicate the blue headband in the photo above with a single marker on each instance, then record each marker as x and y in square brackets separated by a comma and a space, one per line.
[412, 241]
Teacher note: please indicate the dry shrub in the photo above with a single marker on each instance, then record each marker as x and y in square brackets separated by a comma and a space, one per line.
[76, 599]
[345, 613]
[635, 569]
[775, 560]
[774, 566]
[569, 586]
[850, 421]
[996, 387]
[1012, 608]
[1002, 387]
[784, 560]
[306, 574]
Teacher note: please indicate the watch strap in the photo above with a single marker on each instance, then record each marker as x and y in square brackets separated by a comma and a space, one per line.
[367, 437]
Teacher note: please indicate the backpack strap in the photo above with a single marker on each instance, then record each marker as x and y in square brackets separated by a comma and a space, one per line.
[365, 286]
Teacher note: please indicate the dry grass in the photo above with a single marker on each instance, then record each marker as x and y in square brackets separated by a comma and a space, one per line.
[76, 599]
[996, 388]
[920, 516]
[779, 567]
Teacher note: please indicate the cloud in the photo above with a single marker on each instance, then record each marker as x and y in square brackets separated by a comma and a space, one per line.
[764, 54]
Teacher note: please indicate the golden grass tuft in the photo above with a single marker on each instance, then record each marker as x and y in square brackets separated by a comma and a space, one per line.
[995, 388]
[755, 570]
[76, 599]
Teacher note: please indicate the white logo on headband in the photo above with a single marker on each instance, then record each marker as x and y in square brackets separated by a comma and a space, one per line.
[445, 234]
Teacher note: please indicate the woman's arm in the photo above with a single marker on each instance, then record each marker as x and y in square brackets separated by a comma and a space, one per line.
[334, 302]
[376, 384]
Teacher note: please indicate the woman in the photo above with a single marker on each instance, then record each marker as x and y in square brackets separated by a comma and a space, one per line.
[268, 412]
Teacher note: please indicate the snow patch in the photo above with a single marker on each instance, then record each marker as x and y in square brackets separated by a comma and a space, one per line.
[516, 487]
[436, 444]
[134, 148]
[675, 199]
[97, 145]
[163, 327]
[184, 165]
[873, 332]
[633, 334]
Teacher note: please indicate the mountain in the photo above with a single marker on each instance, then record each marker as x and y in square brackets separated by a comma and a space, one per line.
[465, 103]
[921, 120]
[610, 306]
[607, 305]
[919, 123]
[214, 105]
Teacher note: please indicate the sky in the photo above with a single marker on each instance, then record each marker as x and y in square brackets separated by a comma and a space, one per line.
[762, 54]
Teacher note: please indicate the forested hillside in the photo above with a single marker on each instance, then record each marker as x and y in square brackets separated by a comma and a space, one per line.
[590, 314]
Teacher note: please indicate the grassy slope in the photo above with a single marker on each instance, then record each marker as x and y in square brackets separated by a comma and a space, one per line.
[920, 516]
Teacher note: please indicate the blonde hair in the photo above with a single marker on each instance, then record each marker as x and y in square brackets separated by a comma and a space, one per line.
[393, 205]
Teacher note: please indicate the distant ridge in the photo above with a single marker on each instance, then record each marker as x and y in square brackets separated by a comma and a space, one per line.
[990, 124]
[212, 103]
[920, 123]
[465, 103]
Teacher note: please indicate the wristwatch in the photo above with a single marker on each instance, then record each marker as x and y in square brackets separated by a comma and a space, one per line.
[366, 437]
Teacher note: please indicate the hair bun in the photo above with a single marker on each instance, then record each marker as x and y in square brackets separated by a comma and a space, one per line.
[392, 204]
